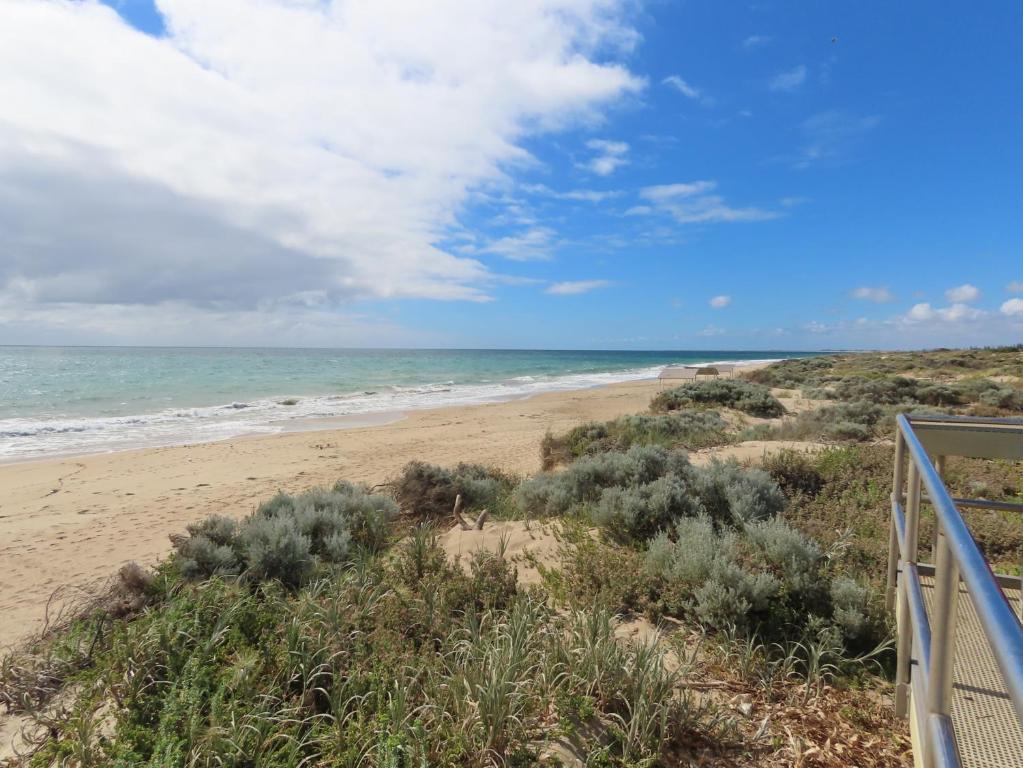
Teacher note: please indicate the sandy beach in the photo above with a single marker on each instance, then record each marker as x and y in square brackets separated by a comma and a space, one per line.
[72, 521]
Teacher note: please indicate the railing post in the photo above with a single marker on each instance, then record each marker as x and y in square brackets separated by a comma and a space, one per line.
[904, 647]
[939, 466]
[943, 631]
[893, 536]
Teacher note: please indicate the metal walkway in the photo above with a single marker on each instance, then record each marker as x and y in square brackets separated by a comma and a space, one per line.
[983, 718]
[959, 673]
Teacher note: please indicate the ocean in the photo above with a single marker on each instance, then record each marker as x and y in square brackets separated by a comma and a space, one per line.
[71, 400]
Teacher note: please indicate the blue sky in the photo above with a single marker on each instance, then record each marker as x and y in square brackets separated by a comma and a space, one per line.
[643, 175]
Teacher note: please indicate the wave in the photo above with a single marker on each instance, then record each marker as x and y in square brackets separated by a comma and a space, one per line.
[31, 438]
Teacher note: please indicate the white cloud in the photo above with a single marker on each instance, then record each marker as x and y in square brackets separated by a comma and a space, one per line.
[922, 311]
[1012, 307]
[711, 330]
[260, 151]
[575, 287]
[581, 195]
[720, 302]
[755, 41]
[951, 314]
[789, 80]
[532, 245]
[693, 202]
[610, 156]
[879, 294]
[1016, 286]
[830, 137]
[963, 293]
[682, 86]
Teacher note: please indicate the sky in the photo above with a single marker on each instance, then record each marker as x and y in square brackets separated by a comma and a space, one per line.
[596, 174]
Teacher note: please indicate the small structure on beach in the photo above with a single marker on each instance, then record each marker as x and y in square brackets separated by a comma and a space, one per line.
[691, 372]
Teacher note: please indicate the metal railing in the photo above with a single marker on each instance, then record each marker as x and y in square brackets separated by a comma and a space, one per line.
[931, 642]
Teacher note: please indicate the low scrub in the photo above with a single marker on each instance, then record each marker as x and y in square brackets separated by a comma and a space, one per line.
[398, 661]
[688, 429]
[636, 493]
[428, 492]
[764, 577]
[287, 537]
[739, 394]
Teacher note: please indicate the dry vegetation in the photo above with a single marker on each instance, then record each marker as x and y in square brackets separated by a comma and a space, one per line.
[723, 614]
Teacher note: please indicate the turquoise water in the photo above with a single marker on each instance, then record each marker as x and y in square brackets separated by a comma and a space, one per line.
[59, 400]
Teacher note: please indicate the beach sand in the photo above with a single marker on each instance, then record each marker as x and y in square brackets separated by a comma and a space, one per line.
[73, 521]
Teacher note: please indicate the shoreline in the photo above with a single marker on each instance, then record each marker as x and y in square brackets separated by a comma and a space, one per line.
[268, 415]
[75, 520]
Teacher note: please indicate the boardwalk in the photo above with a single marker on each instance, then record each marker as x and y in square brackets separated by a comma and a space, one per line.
[986, 726]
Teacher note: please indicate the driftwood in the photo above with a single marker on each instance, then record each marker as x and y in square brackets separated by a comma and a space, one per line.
[457, 514]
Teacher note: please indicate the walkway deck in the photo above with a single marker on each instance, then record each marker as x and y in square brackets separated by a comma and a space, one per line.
[988, 731]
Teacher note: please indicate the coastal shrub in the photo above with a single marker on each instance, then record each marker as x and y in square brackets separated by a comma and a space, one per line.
[689, 429]
[584, 480]
[766, 578]
[792, 374]
[794, 471]
[854, 421]
[787, 552]
[851, 606]
[427, 491]
[637, 512]
[698, 574]
[733, 494]
[739, 394]
[636, 493]
[941, 395]
[275, 548]
[287, 535]
[1006, 398]
[889, 390]
[209, 549]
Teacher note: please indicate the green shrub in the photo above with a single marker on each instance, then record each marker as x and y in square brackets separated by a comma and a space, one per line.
[637, 512]
[275, 548]
[741, 395]
[209, 549]
[286, 536]
[732, 494]
[766, 577]
[638, 492]
[699, 575]
[794, 471]
[584, 480]
[426, 491]
[851, 605]
[888, 391]
[688, 429]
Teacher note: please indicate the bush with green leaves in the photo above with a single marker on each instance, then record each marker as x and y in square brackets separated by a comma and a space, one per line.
[583, 481]
[689, 429]
[889, 390]
[427, 491]
[287, 536]
[638, 492]
[746, 396]
[763, 577]
[734, 494]
[795, 472]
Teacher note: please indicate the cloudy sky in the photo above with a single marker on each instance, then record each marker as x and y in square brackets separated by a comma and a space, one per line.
[481, 173]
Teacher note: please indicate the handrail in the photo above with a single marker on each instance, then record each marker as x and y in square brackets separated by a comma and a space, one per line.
[957, 556]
